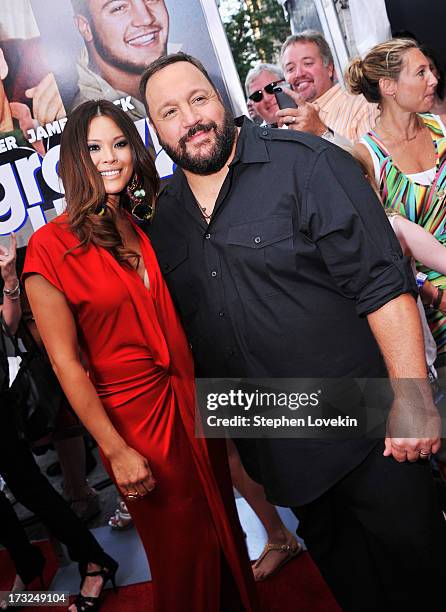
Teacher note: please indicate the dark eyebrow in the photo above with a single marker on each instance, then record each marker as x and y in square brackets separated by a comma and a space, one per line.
[115, 138]
[305, 57]
[192, 93]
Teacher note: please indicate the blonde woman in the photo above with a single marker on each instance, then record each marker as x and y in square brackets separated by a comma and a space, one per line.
[406, 153]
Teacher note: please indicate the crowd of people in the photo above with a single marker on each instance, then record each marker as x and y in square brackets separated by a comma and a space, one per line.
[269, 254]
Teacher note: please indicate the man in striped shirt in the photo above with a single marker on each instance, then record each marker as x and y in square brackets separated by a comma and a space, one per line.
[324, 107]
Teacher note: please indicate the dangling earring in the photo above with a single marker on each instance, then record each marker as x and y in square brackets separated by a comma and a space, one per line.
[142, 211]
[100, 210]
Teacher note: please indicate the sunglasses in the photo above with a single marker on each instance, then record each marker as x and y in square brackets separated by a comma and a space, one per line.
[257, 96]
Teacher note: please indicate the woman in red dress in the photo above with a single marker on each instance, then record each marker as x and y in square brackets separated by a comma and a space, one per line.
[98, 298]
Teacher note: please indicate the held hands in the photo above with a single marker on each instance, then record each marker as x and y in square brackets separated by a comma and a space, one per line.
[132, 473]
[304, 118]
[8, 262]
[413, 424]
[47, 103]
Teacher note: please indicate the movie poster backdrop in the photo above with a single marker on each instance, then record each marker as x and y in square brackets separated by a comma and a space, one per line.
[40, 52]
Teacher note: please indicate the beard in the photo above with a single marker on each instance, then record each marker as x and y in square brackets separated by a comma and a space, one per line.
[119, 62]
[217, 156]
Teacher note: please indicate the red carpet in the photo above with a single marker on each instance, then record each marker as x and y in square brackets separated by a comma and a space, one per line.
[298, 587]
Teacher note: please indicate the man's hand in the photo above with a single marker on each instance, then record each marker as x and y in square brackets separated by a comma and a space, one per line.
[413, 424]
[8, 262]
[23, 115]
[47, 103]
[304, 118]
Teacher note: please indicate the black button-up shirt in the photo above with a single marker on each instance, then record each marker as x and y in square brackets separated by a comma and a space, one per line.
[297, 252]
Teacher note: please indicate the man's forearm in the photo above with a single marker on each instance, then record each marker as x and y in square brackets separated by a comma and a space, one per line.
[397, 329]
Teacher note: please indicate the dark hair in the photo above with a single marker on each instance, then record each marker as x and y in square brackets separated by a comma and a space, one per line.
[163, 62]
[384, 60]
[83, 184]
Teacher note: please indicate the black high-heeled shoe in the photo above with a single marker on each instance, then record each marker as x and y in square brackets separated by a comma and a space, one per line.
[87, 603]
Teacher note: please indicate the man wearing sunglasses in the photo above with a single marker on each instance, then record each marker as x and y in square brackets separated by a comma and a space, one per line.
[259, 85]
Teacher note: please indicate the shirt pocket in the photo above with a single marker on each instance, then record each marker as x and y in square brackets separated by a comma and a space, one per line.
[261, 255]
[175, 266]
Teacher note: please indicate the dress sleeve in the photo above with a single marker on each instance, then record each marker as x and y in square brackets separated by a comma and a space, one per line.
[44, 255]
[343, 217]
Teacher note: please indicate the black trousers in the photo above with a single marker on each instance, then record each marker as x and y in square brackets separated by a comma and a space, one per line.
[23, 477]
[378, 537]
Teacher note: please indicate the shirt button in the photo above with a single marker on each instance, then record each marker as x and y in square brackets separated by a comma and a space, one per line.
[395, 257]
[208, 236]
[257, 240]
[213, 273]
[221, 313]
[265, 133]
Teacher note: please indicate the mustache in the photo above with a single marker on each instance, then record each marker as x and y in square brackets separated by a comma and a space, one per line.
[200, 127]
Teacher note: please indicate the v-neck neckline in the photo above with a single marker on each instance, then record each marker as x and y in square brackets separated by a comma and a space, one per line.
[140, 237]
[389, 158]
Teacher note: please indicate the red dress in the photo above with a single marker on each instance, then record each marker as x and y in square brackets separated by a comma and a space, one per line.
[140, 363]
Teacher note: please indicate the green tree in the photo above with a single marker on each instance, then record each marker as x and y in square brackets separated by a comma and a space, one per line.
[256, 30]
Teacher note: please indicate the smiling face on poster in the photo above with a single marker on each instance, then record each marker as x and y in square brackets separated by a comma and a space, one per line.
[56, 54]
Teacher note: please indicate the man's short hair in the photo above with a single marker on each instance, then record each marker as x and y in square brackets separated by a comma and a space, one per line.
[81, 7]
[258, 69]
[166, 60]
[312, 36]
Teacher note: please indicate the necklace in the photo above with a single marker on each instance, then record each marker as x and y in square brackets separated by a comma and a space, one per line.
[420, 127]
[203, 210]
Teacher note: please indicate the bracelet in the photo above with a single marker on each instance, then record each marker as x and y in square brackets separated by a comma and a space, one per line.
[12, 291]
[15, 297]
[437, 300]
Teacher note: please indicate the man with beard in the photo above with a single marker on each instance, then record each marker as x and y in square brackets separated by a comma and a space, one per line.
[282, 263]
[121, 38]
[324, 107]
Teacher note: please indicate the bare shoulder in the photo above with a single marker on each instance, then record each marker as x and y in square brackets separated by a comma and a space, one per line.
[362, 155]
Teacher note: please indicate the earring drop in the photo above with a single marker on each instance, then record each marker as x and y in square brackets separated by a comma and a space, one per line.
[142, 211]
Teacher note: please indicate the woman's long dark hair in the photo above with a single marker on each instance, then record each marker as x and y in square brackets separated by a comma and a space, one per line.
[84, 187]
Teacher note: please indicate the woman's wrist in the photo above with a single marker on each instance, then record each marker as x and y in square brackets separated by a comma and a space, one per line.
[112, 450]
[11, 282]
[428, 293]
[439, 299]
[11, 289]
[442, 305]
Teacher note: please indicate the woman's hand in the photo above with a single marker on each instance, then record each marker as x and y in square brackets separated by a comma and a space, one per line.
[132, 473]
[8, 263]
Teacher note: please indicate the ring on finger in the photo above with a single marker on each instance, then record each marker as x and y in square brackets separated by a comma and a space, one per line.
[424, 454]
[132, 496]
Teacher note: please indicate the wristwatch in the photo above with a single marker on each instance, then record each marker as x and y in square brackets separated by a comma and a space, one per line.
[421, 279]
[328, 135]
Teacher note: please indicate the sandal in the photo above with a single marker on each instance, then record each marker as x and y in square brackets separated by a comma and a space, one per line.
[290, 550]
[121, 519]
[88, 603]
